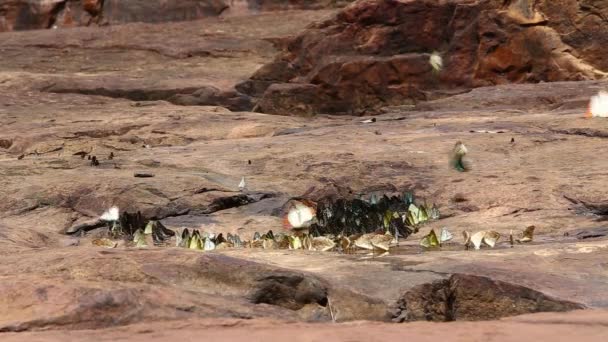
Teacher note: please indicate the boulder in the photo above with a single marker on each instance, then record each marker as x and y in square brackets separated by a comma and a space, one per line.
[472, 298]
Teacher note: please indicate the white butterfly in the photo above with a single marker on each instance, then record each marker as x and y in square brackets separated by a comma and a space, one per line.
[477, 238]
[208, 245]
[445, 235]
[436, 61]
[598, 106]
[300, 215]
[242, 184]
[111, 214]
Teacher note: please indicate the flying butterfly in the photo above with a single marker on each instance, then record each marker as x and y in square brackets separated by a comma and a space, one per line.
[598, 106]
[111, 214]
[301, 214]
[436, 62]
[457, 157]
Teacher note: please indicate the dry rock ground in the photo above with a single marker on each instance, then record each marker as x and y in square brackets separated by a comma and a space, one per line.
[114, 90]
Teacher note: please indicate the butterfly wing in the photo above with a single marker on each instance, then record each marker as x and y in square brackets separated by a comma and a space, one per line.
[445, 235]
[477, 239]
[111, 214]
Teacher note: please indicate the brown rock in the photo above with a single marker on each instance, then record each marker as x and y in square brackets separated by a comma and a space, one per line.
[376, 53]
[154, 11]
[199, 155]
[212, 96]
[473, 298]
[27, 15]
[42, 14]
[285, 98]
[93, 7]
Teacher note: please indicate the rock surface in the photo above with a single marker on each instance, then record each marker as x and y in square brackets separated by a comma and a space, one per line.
[17, 15]
[473, 298]
[535, 162]
[587, 326]
[376, 53]
[199, 65]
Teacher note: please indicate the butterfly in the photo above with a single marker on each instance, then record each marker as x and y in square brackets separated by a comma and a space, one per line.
[322, 243]
[598, 106]
[445, 235]
[301, 214]
[140, 239]
[295, 242]
[436, 62]
[430, 240]
[111, 214]
[183, 239]
[490, 238]
[195, 240]
[457, 155]
[528, 235]
[103, 242]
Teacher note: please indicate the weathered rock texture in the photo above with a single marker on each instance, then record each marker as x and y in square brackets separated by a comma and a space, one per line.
[473, 298]
[54, 85]
[186, 63]
[42, 14]
[376, 52]
[580, 325]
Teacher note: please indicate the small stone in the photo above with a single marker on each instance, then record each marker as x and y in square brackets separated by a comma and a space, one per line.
[143, 175]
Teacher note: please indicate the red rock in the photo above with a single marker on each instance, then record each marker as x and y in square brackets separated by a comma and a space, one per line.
[376, 52]
[25, 15]
[151, 11]
[93, 7]
[41, 14]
